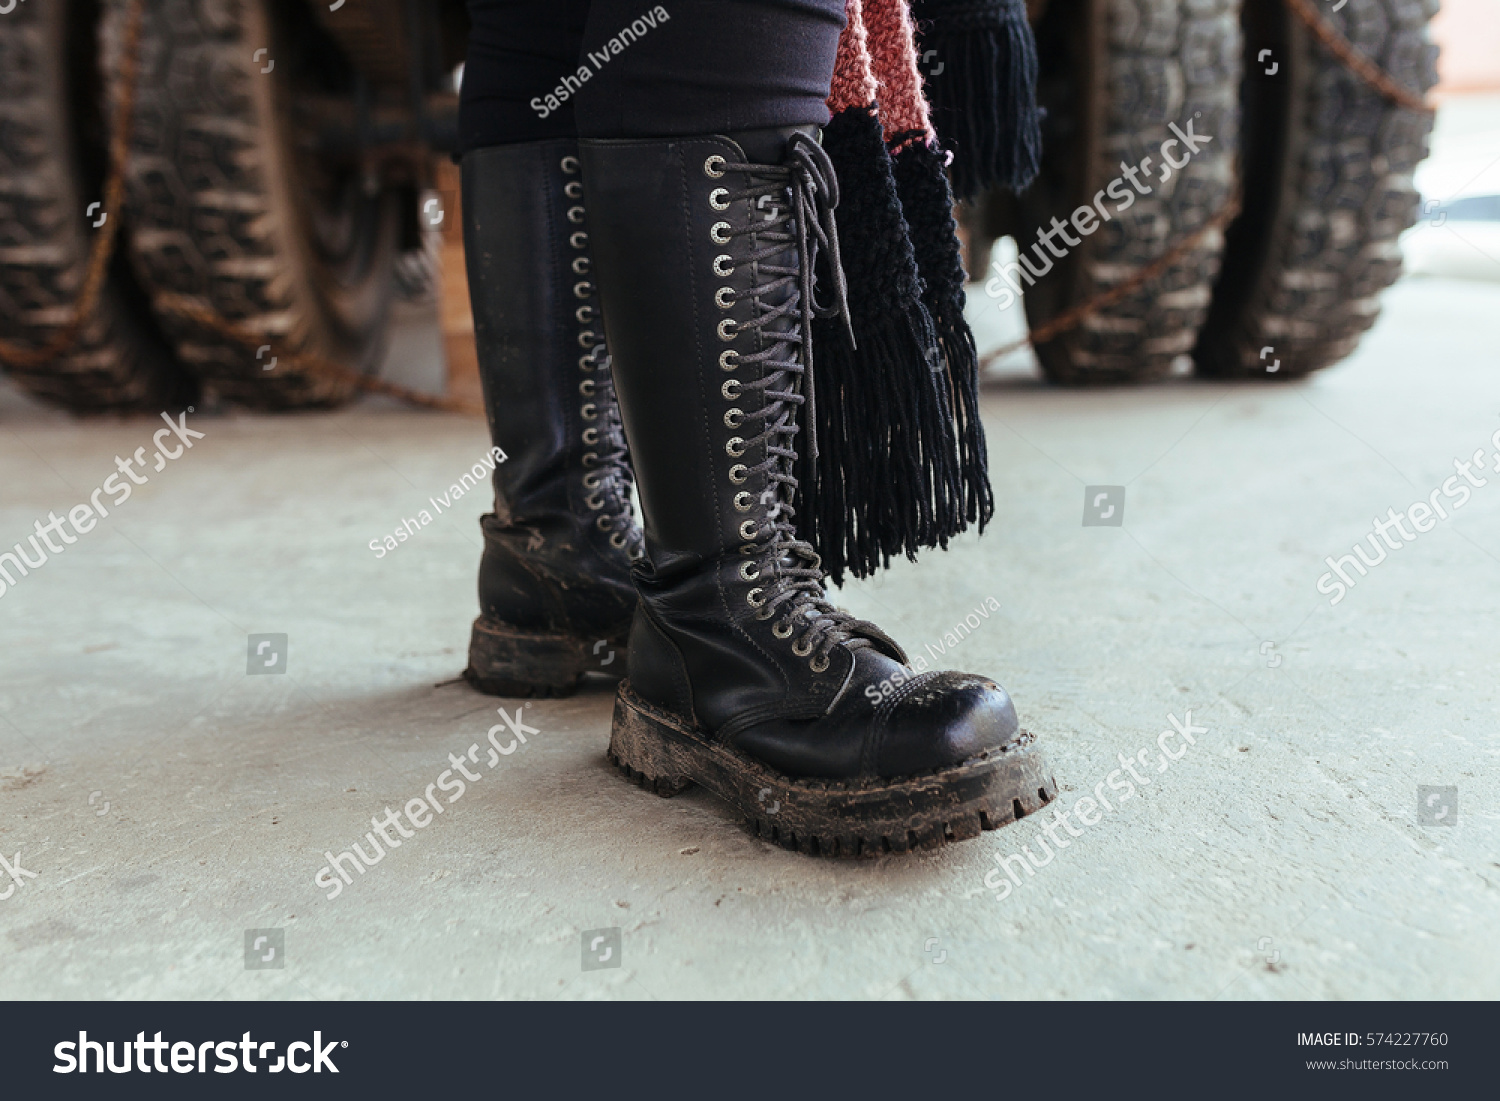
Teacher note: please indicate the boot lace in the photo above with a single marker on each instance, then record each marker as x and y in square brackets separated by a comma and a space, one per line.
[610, 479]
[801, 196]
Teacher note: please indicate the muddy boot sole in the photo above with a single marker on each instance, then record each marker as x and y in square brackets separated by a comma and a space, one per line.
[506, 661]
[829, 817]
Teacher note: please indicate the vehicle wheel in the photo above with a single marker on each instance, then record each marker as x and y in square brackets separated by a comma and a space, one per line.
[1328, 189]
[234, 210]
[1115, 75]
[52, 166]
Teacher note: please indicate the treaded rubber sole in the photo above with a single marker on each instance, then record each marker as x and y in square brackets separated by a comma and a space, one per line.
[224, 204]
[828, 817]
[48, 175]
[506, 661]
[1327, 163]
[1114, 74]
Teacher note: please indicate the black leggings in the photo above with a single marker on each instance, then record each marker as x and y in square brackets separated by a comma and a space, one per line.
[653, 70]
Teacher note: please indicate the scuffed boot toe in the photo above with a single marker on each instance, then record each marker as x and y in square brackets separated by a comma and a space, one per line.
[937, 721]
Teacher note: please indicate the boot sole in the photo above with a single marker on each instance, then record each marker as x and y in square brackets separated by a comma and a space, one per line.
[829, 817]
[506, 661]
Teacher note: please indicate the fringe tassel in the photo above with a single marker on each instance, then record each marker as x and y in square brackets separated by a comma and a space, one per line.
[927, 204]
[984, 98]
[887, 480]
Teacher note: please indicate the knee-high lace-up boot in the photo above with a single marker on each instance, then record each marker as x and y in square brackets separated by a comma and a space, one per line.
[742, 677]
[555, 594]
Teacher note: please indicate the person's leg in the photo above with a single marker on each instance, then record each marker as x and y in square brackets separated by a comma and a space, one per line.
[518, 51]
[741, 676]
[554, 579]
[709, 67]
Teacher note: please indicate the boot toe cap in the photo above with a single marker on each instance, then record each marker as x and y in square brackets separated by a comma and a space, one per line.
[942, 720]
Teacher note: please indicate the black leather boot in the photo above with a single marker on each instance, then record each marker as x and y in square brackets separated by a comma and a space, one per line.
[555, 594]
[741, 676]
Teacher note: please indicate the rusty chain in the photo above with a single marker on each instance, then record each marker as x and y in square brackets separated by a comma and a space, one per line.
[1070, 319]
[1357, 63]
[194, 311]
[114, 192]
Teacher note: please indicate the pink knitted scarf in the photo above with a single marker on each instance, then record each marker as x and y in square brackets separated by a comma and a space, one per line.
[877, 67]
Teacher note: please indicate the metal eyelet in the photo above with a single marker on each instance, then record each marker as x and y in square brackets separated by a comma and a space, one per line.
[717, 233]
[747, 534]
[719, 297]
[575, 215]
[579, 239]
[591, 436]
[713, 168]
[729, 359]
[815, 667]
[594, 501]
[583, 289]
[589, 412]
[573, 190]
[590, 458]
[734, 418]
[569, 164]
[779, 633]
[587, 339]
[585, 314]
[617, 540]
[716, 198]
[734, 448]
[802, 650]
[731, 389]
[591, 481]
[748, 548]
[726, 329]
[586, 363]
[719, 269]
[743, 501]
[751, 595]
[586, 387]
[745, 568]
[738, 473]
[581, 265]
[604, 523]
[765, 614]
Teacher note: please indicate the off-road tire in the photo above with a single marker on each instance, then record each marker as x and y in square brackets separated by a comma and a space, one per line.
[1113, 75]
[230, 213]
[52, 166]
[1328, 165]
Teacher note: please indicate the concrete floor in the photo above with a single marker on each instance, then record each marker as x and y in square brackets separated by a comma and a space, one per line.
[165, 802]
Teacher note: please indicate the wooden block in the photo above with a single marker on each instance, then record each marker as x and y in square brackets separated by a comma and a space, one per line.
[456, 318]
